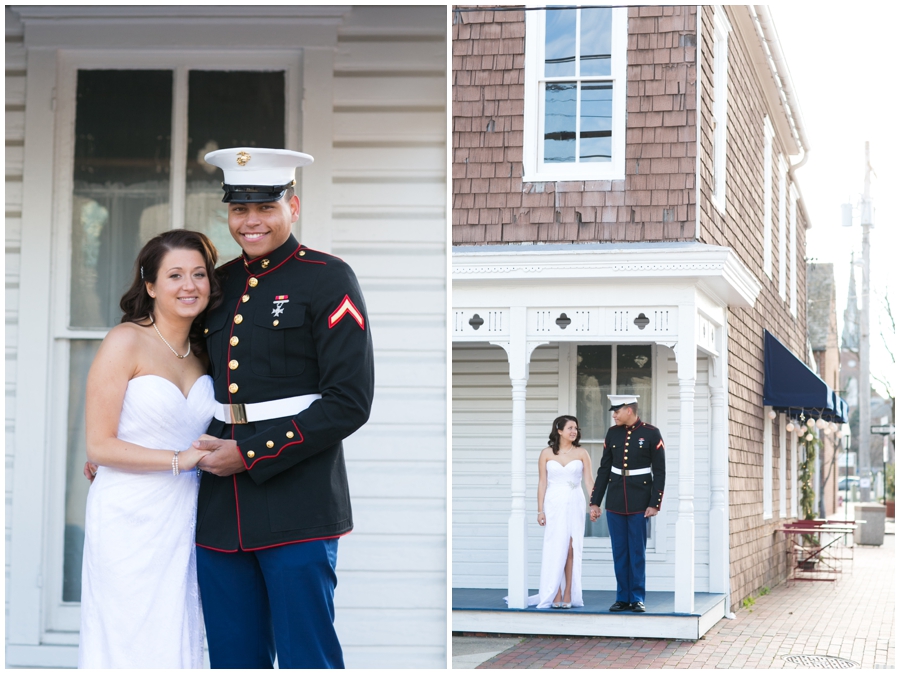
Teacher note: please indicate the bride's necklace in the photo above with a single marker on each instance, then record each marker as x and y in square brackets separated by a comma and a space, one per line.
[177, 355]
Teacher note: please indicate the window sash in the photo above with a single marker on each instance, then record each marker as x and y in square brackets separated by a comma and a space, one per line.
[535, 168]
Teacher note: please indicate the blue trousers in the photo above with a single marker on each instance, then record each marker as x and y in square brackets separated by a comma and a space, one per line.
[279, 599]
[628, 535]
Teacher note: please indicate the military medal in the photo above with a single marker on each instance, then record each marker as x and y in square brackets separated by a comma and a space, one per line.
[279, 302]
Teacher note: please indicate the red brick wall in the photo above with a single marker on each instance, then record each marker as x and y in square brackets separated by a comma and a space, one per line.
[655, 201]
[757, 551]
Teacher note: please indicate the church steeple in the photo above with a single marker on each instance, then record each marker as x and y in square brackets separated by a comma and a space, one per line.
[850, 335]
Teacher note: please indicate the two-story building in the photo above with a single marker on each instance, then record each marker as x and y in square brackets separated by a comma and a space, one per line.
[626, 219]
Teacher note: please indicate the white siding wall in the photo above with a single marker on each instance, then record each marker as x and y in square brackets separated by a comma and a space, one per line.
[482, 416]
[15, 138]
[389, 223]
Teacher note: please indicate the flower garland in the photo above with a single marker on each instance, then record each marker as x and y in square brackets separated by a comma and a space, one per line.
[809, 444]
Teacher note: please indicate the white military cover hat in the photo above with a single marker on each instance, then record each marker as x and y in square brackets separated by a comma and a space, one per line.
[256, 174]
[618, 401]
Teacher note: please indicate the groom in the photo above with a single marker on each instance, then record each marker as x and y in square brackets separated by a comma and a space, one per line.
[291, 359]
[633, 483]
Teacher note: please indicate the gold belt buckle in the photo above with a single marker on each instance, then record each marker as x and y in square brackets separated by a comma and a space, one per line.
[238, 413]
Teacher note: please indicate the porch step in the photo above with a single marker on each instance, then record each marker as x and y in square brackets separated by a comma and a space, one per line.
[483, 610]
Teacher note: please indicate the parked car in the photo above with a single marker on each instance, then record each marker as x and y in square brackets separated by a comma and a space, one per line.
[848, 487]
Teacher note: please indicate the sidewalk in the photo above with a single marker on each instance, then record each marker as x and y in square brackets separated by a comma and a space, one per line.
[852, 619]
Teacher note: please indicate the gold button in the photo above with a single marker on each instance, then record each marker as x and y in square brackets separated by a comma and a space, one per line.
[264, 263]
[245, 298]
[270, 444]
[290, 434]
[232, 365]
[302, 253]
[252, 282]
[238, 319]
[251, 454]
[275, 322]
[205, 331]
[234, 341]
[233, 388]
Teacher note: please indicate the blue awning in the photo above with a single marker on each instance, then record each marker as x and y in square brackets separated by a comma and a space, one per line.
[790, 386]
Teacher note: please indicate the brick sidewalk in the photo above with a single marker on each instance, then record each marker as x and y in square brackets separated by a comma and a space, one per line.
[852, 619]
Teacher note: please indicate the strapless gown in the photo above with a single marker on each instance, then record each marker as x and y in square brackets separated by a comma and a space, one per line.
[140, 605]
[564, 508]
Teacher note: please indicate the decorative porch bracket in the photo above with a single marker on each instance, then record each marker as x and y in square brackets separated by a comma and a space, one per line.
[518, 352]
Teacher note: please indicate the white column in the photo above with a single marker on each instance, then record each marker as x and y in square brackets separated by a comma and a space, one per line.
[518, 351]
[686, 358]
[718, 480]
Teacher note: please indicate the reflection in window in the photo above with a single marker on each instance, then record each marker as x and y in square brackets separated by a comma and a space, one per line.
[219, 115]
[578, 115]
[121, 184]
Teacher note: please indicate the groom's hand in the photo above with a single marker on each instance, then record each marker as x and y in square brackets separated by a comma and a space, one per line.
[595, 513]
[650, 512]
[223, 459]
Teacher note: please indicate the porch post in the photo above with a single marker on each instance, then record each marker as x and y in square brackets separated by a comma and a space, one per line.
[686, 358]
[718, 462]
[518, 351]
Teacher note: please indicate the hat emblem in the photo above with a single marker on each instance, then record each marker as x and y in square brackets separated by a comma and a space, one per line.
[242, 158]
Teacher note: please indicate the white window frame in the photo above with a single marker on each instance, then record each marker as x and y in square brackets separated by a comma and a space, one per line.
[61, 620]
[782, 227]
[782, 466]
[795, 266]
[767, 464]
[534, 169]
[768, 135]
[721, 29]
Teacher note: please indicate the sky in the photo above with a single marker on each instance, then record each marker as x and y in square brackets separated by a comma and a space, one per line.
[841, 62]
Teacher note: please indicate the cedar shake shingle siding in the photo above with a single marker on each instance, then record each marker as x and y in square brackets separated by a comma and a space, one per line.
[655, 202]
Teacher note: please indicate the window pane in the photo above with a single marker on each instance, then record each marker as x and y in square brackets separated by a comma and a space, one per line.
[634, 374]
[593, 377]
[121, 184]
[227, 109]
[596, 41]
[559, 43]
[596, 121]
[81, 355]
[560, 106]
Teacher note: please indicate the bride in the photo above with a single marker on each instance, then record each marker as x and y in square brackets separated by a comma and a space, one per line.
[562, 467]
[148, 397]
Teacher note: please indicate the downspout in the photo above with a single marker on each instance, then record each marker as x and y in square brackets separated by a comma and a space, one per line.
[765, 27]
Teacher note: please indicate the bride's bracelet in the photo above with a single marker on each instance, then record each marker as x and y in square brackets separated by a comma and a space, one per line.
[175, 470]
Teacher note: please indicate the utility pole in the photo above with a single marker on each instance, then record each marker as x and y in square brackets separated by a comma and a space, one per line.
[865, 385]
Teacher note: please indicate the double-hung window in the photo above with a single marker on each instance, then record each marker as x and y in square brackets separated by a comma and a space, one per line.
[575, 93]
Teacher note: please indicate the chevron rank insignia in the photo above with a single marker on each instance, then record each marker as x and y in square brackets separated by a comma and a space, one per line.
[345, 308]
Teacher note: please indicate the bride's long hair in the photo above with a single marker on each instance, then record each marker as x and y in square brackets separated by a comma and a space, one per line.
[136, 303]
[559, 424]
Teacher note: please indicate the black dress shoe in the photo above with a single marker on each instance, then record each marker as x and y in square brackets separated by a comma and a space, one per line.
[638, 607]
[619, 606]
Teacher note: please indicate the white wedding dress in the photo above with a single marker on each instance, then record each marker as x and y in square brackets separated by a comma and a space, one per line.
[564, 508]
[140, 605]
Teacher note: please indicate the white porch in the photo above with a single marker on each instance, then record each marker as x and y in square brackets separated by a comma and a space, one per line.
[537, 303]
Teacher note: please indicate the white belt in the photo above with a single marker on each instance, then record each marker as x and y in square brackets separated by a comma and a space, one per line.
[271, 409]
[626, 473]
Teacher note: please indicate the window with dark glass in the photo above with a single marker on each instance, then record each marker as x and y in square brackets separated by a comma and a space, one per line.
[603, 370]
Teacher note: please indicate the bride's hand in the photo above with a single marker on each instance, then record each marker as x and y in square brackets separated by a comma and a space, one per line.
[90, 470]
[542, 519]
[189, 458]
